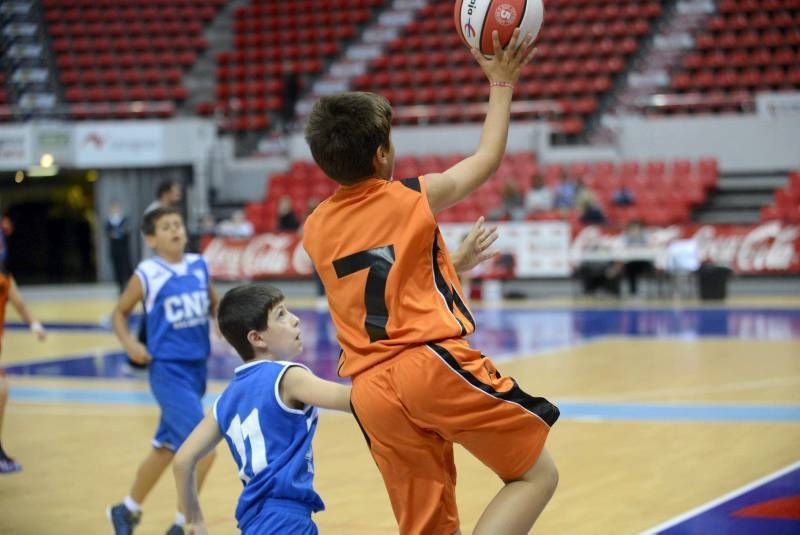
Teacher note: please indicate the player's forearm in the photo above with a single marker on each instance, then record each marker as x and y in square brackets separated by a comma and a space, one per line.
[494, 135]
[184, 471]
[23, 312]
[119, 324]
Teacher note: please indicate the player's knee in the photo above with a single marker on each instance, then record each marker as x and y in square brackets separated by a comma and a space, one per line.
[544, 473]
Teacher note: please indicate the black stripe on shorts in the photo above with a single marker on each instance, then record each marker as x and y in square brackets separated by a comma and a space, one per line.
[539, 406]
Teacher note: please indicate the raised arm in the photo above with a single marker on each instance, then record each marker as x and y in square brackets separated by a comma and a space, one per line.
[200, 443]
[132, 295]
[301, 387]
[446, 189]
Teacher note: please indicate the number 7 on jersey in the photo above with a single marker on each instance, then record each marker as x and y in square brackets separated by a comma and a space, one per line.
[379, 262]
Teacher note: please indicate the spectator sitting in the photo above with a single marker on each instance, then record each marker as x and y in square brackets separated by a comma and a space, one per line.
[237, 227]
[287, 220]
[565, 194]
[586, 205]
[512, 207]
[623, 196]
[539, 198]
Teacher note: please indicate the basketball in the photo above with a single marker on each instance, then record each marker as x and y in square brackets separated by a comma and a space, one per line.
[475, 21]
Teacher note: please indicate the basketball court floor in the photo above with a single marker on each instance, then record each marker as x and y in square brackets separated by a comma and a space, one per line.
[675, 419]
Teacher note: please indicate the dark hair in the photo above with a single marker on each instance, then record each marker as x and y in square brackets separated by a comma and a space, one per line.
[151, 219]
[164, 186]
[345, 130]
[244, 309]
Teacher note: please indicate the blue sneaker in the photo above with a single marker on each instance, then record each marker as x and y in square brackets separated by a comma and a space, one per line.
[9, 466]
[122, 519]
[175, 529]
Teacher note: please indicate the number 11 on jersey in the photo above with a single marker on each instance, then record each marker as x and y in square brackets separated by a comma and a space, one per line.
[250, 429]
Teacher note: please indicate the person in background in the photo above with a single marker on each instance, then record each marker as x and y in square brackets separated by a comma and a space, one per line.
[512, 207]
[168, 194]
[289, 94]
[633, 237]
[237, 227]
[586, 205]
[539, 198]
[287, 220]
[564, 198]
[623, 196]
[207, 226]
[118, 232]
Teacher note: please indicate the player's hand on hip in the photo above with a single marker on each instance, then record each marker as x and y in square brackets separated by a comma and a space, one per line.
[138, 353]
[507, 63]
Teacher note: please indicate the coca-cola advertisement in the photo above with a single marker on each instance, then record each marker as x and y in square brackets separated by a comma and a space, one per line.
[768, 248]
[540, 249]
[265, 256]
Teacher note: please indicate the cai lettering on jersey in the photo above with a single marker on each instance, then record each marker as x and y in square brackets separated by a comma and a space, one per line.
[270, 442]
[387, 274]
[177, 306]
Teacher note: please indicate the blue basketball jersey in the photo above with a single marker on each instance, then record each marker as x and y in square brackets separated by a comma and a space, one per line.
[270, 442]
[176, 305]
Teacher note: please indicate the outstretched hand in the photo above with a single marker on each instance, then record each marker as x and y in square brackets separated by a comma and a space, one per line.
[507, 63]
[475, 247]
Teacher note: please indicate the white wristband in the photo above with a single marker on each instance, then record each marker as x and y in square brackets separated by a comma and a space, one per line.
[37, 327]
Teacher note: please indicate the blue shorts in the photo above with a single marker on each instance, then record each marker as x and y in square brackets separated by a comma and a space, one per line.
[279, 517]
[178, 387]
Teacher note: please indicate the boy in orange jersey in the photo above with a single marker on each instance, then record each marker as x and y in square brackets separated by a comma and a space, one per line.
[401, 320]
[10, 292]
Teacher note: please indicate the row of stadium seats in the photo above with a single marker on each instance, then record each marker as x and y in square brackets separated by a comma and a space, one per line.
[664, 191]
[270, 38]
[126, 59]
[786, 205]
[747, 46]
[581, 48]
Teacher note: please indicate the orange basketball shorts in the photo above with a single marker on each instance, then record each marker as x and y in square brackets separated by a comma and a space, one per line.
[412, 409]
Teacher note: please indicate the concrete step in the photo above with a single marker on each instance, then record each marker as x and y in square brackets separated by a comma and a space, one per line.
[719, 217]
[752, 183]
[739, 200]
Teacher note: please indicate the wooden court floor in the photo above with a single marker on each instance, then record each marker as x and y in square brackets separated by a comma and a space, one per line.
[617, 474]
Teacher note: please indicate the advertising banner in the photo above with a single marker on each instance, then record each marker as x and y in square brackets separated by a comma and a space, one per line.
[118, 145]
[266, 256]
[15, 149]
[765, 249]
[539, 249]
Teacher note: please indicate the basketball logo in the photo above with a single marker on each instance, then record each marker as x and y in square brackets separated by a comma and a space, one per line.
[505, 15]
[469, 30]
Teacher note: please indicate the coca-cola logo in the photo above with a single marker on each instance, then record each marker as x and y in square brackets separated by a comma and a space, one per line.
[263, 256]
[769, 247]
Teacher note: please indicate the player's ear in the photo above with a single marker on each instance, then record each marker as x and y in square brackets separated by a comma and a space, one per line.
[150, 240]
[256, 340]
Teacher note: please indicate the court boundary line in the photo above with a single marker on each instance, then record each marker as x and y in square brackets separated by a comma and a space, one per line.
[722, 499]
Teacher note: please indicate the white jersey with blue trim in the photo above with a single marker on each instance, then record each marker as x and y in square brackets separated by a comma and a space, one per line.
[270, 442]
[177, 305]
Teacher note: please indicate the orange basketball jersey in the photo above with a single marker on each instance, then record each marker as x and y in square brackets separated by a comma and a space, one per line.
[389, 279]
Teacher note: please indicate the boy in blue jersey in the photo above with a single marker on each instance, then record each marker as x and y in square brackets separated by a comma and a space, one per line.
[267, 415]
[179, 302]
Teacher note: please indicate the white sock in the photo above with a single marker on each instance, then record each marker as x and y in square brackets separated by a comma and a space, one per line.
[132, 506]
[180, 519]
